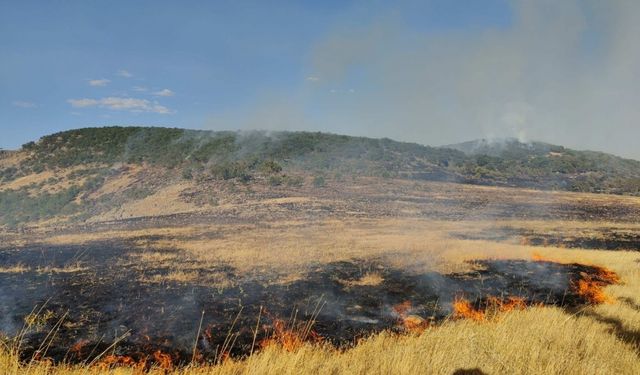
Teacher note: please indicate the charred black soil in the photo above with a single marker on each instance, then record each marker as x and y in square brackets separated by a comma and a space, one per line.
[88, 298]
[603, 239]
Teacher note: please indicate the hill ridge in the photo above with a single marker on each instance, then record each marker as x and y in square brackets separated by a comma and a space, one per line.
[66, 171]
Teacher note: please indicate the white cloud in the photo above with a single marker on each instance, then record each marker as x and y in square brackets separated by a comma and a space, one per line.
[313, 79]
[124, 73]
[23, 104]
[139, 88]
[164, 92]
[82, 103]
[121, 104]
[98, 82]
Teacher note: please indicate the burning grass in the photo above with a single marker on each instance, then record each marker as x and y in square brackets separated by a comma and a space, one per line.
[591, 286]
[490, 307]
[408, 320]
[336, 304]
[536, 340]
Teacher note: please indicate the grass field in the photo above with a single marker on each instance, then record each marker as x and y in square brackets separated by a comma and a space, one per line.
[589, 339]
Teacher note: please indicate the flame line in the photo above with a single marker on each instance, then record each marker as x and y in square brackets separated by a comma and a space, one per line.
[124, 336]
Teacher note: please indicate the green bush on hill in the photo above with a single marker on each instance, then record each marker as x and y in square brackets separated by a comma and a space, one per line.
[242, 155]
[19, 206]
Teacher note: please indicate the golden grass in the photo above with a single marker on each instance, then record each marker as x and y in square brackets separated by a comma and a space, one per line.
[119, 182]
[16, 268]
[419, 245]
[369, 279]
[165, 201]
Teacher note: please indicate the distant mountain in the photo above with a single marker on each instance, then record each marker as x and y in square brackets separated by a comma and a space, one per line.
[65, 172]
[545, 165]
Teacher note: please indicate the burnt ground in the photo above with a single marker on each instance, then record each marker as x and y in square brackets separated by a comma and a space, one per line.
[604, 238]
[90, 308]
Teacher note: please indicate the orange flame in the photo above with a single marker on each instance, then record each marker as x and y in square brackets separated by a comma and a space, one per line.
[508, 304]
[591, 287]
[402, 308]
[537, 257]
[415, 324]
[606, 276]
[112, 360]
[163, 360]
[78, 346]
[591, 291]
[463, 309]
[288, 338]
[410, 323]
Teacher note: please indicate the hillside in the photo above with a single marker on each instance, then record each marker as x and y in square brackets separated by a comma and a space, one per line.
[84, 172]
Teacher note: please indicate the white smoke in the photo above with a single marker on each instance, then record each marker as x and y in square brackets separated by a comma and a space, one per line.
[563, 72]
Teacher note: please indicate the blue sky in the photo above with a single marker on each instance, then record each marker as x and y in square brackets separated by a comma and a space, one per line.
[395, 69]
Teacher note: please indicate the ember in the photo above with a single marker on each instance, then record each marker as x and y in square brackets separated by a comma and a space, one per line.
[78, 348]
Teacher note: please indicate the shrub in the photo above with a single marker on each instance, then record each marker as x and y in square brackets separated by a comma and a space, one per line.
[19, 206]
[231, 170]
[276, 180]
[295, 181]
[319, 181]
[270, 166]
[187, 174]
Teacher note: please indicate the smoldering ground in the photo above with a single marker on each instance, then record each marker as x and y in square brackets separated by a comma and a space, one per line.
[70, 303]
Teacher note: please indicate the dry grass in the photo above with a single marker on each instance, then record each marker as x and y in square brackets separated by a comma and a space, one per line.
[599, 339]
[21, 268]
[61, 177]
[534, 341]
[178, 276]
[369, 279]
[17, 268]
[165, 201]
[69, 268]
[119, 182]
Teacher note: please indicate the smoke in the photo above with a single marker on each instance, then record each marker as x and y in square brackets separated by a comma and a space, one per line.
[563, 72]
